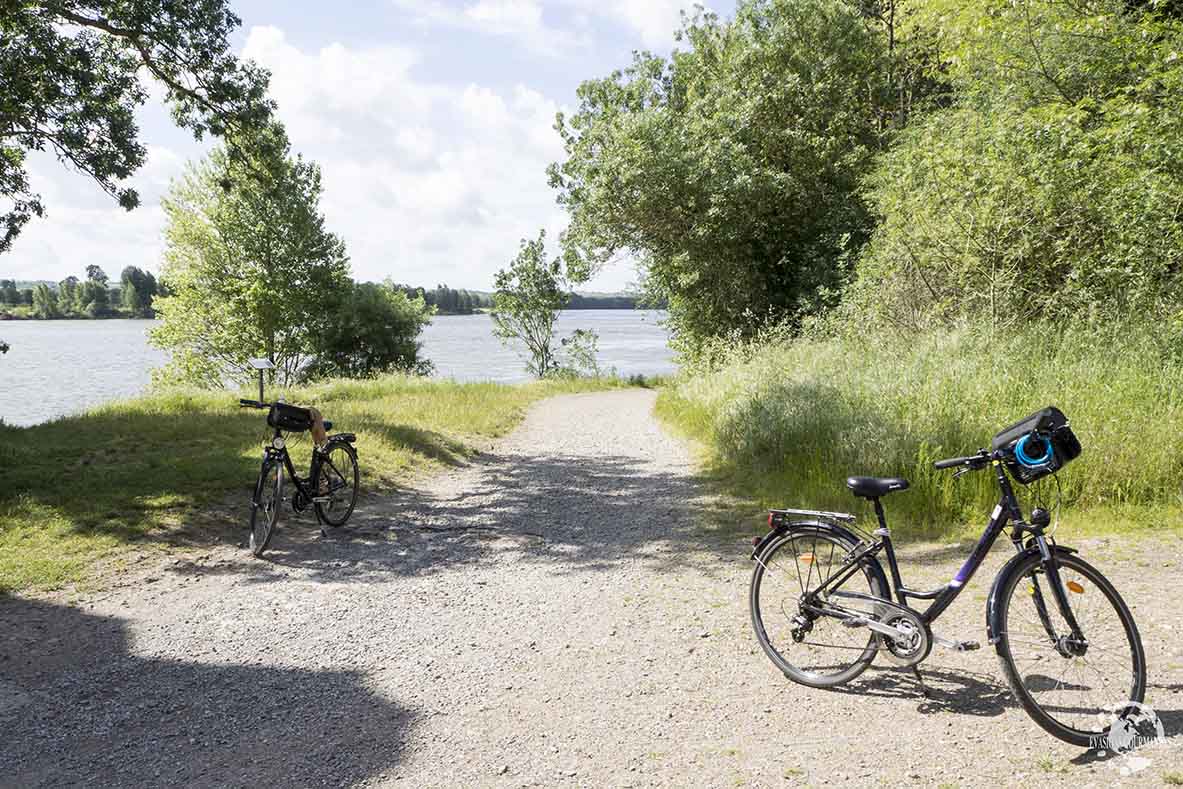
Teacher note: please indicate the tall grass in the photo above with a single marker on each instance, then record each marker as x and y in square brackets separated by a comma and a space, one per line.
[142, 470]
[786, 421]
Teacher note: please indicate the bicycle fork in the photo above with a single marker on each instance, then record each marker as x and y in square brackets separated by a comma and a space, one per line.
[1075, 644]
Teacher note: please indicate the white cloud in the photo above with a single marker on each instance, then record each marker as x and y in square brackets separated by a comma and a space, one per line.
[425, 182]
[520, 19]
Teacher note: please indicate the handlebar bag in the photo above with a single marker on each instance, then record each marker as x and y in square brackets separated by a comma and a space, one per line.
[289, 418]
[1046, 424]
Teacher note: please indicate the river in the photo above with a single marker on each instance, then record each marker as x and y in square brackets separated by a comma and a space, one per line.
[55, 368]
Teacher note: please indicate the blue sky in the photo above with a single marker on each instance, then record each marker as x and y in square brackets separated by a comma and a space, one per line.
[431, 120]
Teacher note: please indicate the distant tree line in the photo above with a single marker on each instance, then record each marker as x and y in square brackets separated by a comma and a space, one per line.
[449, 301]
[95, 296]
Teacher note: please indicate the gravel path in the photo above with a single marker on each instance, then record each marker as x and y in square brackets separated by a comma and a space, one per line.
[559, 613]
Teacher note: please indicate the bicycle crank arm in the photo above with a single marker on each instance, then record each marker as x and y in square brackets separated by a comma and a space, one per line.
[855, 620]
[956, 646]
[871, 624]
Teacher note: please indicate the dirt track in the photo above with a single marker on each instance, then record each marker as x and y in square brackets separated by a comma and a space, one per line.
[557, 613]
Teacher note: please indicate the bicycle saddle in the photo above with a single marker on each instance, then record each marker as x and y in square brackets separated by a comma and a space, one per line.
[874, 487]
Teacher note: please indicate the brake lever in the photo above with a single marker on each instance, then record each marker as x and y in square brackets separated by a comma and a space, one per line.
[959, 472]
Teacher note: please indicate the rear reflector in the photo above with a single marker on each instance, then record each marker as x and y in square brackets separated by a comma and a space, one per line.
[1075, 587]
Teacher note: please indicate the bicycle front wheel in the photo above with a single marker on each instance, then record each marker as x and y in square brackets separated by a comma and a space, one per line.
[1073, 688]
[337, 483]
[266, 505]
[814, 650]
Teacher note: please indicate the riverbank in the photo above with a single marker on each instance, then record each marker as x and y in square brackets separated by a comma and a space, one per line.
[77, 490]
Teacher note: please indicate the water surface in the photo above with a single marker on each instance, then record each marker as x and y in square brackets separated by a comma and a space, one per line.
[55, 368]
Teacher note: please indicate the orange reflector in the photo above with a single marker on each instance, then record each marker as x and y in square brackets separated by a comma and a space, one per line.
[1075, 587]
[806, 557]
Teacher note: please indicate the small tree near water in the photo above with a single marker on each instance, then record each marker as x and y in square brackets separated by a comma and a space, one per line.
[526, 302]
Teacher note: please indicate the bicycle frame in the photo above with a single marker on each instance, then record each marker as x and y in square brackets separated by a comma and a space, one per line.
[271, 453]
[1006, 512]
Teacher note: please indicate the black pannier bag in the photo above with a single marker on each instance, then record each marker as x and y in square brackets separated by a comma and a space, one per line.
[1038, 445]
[289, 418]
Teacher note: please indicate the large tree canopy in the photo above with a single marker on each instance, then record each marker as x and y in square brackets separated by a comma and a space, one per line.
[251, 269]
[732, 170]
[70, 82]
[1052, 189]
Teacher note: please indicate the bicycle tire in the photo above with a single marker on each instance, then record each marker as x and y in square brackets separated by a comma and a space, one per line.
[332, 514]
[1061, 730]
[266, 504]
[797, 673]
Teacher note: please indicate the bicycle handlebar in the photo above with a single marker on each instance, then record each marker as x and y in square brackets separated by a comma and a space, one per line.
[970, 461]
[253, 404]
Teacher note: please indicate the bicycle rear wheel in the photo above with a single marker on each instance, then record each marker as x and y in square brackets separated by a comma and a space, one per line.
[338, 481]
[818, 651]
[1073, 690]
[266, 505]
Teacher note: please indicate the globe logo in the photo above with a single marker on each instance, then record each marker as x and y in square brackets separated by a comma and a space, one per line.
[1136, 725]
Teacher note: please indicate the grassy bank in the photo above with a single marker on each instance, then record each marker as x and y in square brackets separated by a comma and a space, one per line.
[786, 422]
[78, 489]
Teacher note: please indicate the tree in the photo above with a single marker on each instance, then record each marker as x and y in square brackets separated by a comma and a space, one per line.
[1049, 190]
[68, 296]
[251, 269]
[527, 298]
[71, 76]
[137, 290]
[96, 274]
[732, 172]
[45, 303]
[375, 331]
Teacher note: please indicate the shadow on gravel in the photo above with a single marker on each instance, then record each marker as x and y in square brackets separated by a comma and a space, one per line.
[77, 709]
[578, 513]
[958, 692]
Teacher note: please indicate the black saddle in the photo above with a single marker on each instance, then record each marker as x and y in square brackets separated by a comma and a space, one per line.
[874, 487]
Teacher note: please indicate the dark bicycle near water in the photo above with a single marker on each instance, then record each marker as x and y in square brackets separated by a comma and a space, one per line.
[823, 610]
[330, 487]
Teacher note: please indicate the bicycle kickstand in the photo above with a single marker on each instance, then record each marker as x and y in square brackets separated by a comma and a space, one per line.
[924, 691]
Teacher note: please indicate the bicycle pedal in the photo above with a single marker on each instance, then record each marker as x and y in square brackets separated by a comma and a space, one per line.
[956, 646]
[321, 499]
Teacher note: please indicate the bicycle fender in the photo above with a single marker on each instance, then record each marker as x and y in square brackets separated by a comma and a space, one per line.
[835, 528]
[993, 614]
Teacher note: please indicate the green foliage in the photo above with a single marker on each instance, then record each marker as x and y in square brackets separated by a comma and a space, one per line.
[251, 269]
[526, 302]
[45, 302]
[787, 421]
[71, 76]
[732, 171]
[376, 331]
[1050, 190]
[138, 289]
[142, 471]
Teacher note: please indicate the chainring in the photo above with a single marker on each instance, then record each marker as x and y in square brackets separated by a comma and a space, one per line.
[896, 651]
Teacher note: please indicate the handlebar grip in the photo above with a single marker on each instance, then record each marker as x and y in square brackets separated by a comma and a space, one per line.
[952, 462]
[250, 404]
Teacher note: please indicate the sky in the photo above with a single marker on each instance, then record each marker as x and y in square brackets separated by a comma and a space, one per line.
[432, 121]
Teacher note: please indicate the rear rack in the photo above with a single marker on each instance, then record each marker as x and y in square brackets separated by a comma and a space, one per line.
[838, 516]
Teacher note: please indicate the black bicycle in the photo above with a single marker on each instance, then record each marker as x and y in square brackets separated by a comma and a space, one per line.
[1069, 648]
[330, 487]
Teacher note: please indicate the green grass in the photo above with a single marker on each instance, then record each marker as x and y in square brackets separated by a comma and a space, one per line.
[1172, 779]
[140, 471]
[785, 422]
